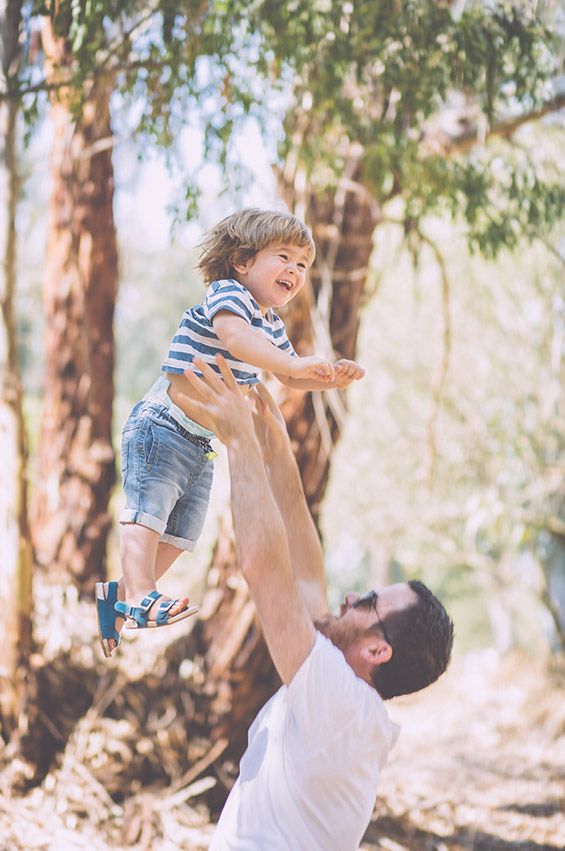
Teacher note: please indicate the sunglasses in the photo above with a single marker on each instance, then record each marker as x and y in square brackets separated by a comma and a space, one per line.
[369, 601]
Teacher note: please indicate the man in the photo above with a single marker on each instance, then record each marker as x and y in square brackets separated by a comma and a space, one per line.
[308, 778]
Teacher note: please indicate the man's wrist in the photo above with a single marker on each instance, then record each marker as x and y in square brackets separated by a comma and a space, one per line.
[243, 443]
[281, 461]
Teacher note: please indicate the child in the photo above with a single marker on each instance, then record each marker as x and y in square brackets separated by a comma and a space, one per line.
[256, 260]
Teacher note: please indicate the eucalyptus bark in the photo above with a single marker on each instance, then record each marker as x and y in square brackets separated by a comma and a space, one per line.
[15, 558]
[325, 318]
[71, 520]
[239, 673]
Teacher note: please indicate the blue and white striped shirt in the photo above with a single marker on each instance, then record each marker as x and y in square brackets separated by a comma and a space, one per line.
[196, 337]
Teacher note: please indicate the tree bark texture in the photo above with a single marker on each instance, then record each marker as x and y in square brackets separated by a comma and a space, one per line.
[324, 318]
[236, 665]
[214, 681]
[76, 460]
[15, 555]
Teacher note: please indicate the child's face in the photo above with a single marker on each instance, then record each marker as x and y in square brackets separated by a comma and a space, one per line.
[275, 274]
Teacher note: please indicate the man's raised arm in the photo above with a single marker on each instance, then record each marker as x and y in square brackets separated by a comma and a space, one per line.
[260, 534]
[284, 478]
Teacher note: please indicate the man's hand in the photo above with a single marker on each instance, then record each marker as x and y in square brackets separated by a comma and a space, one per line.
[221, 402]
[270, 427]
[312, 367]
[262, 545]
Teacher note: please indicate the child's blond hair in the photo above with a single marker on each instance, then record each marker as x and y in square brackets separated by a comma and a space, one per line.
[239, 237]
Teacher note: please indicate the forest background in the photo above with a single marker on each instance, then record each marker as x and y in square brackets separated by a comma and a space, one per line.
[422, 143]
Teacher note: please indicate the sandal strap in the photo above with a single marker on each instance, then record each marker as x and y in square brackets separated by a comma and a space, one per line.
[106, 597]
[148, 601]
[139, 613]
[163, 611]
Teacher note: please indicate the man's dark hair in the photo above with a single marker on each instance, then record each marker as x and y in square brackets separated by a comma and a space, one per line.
[421, 637]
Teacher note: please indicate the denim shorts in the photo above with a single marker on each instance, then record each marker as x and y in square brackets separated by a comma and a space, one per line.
[166, 475]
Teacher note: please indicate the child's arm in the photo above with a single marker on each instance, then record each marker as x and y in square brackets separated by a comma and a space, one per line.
[346, 371]
[249, 345]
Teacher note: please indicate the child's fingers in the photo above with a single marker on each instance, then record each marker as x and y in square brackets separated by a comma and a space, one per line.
[349, 368]
[344, 367]
[321, 375]
[356, 371]
[326, 370]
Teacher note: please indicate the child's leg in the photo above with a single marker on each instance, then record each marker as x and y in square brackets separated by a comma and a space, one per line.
[166, 555]
[166, 478]
[139, 547]
[159, 463]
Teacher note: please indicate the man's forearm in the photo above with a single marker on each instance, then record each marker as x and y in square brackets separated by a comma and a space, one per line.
[265, 561]
[304, 542]
[259, 528]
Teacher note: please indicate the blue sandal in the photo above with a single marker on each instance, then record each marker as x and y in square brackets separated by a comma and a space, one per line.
[138, 616]
[106, 596]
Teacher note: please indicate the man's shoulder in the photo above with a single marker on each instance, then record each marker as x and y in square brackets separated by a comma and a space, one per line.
[327, 672]
[328, 662]
[330, 703]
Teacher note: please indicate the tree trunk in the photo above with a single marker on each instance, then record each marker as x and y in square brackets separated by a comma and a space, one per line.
[325, 318]
[76, 460]
[226, 670]
[15, 557]
[239, 674]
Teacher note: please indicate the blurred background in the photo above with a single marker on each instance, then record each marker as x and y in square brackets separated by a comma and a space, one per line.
[423, 144]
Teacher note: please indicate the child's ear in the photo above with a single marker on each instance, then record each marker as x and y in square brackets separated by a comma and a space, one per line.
[240, 262]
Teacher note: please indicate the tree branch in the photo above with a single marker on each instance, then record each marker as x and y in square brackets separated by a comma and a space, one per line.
[552, 249]
[443, 365]
[472, 135]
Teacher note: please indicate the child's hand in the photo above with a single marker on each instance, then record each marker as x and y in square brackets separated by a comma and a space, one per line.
[312, 367]
[346, 371]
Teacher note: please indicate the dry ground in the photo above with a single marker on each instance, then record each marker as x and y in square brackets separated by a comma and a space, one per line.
[479, 766]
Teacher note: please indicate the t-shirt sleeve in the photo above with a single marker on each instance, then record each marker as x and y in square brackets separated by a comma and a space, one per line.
[231, 296]
[327, 699]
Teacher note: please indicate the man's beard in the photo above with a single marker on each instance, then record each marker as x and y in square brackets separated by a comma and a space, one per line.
[342, 634]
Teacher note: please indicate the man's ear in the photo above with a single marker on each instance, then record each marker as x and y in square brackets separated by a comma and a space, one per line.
[376, 651]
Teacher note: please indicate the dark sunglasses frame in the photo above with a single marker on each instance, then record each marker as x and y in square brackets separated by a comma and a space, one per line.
[369, 600]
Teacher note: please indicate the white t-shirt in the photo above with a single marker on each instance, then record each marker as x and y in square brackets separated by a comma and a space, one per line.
[308, 779]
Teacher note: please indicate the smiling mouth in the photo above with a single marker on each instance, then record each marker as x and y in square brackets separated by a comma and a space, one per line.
[287, 285]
